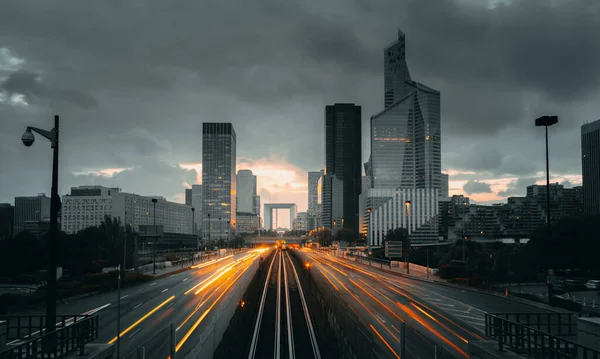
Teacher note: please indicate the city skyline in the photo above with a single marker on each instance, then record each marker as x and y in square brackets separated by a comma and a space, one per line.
[491, 148]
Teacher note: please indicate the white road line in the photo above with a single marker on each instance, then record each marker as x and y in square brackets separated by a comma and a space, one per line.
[170, 305]
[134, 333]
[125, 296]
[137, 306]
[446, 304]
[470, 317]
[164, 290]
[184, 279]
[139, 290]
[457, 310]
[151, 284]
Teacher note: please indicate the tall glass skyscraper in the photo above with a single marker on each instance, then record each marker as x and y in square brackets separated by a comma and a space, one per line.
[218, 179]
[246, 191]
[590, 165]
[342, 175]
[406, 135]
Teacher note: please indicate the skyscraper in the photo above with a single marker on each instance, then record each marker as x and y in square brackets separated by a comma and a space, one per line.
[30, 208]
[218, 179]
[197, 204]
[342, 175]
[246, 192]
[188, 196]
[590, 165]
[406, 135]
[445, 185]
[314, 206]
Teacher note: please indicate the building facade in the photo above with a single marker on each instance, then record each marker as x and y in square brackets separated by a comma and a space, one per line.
[415, 209]
[87, 206]
[246, 192]
[247, 222]
[342, 174]
[445, 191]
[188, 196]
[30, 208]
[7, 216]
[314, 198]
[301, 222]
[219, 189]
[590, 166]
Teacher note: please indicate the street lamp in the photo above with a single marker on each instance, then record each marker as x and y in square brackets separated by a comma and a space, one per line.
[194, 233]
[154, 200]
[28, 138]
[407, 205]
[547, 121]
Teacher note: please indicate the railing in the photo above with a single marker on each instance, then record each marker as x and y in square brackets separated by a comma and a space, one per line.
[65, 340]
[561, 324]
[28, 326]
[539, 344]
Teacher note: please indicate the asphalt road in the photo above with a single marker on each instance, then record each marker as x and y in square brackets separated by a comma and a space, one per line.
[185, 299]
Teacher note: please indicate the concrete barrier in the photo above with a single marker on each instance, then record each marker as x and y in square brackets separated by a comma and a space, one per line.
[3, 334]
[588, 334]
[489, 350]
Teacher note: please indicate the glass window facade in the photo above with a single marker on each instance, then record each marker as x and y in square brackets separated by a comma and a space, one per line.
[590, 165]
[218, 180]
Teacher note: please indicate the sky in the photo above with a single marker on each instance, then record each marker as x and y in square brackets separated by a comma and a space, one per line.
[134, 80]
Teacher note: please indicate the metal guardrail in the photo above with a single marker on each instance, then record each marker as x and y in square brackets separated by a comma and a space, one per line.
[29, 326]
[561, 324]
[525, 340]
[65, 340]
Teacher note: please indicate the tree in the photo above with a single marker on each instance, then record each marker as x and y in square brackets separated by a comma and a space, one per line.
[397, 235]
[345, 234]
[324, 237]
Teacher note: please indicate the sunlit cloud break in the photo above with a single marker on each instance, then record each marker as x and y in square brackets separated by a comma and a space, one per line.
[104, 172]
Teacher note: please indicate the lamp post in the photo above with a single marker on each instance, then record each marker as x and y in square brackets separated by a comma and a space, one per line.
[407, 205]
[547, 121]
[194, 233]
[154, 200]
[28, 138]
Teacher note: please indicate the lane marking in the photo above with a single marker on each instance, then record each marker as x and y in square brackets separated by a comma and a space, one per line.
[125, 296]
[164, 290]
[170, 305]
[184, 279]
[470, 317]
[151, 284]
[134, 333]
[137, 306]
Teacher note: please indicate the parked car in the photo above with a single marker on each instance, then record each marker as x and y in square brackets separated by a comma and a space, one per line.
[575, 285]
[593, 284]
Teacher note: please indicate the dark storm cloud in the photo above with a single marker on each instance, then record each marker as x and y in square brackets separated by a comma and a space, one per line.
[518, 188]
[472, 187]
[112, 68]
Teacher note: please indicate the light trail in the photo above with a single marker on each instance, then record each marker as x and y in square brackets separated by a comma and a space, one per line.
[201, 318]
[142, 319]
[377, 300]
[384, 341]
[440, 323]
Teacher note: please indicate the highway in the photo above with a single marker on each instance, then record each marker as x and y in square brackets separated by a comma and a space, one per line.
[383, 303]
[188, 300]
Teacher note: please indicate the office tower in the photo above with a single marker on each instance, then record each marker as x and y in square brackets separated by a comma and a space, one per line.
[590, 165]
[30, 208]
[7, 215]
[197, 204]
[342, 175]
[396, 76]
[218, 180]
[256, 205]
[301, 222]
[406, 135]
[445, 184]
[188, 196]
[246, 192]
[314, 205]
[87, 206]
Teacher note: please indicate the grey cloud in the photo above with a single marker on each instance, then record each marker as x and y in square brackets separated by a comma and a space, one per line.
[472, 187]
[518, 188]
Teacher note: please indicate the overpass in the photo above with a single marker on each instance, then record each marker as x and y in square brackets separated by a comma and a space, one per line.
[273, 240]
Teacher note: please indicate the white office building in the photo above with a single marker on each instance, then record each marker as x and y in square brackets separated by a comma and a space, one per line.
[415, 209]
[87, 206]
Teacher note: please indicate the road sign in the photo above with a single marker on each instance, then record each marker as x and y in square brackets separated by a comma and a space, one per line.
[393, 249]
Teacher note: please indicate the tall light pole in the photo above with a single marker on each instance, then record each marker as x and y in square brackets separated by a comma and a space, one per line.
[194, 233]
[28, 138]
[154, 200]
[547, 121]
[407, 204]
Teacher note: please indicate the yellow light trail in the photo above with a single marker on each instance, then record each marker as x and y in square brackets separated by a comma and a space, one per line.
[384, 341]
[377, 300]
[201, 303]
[416, 317]
[142, 319]
[201, 318]
[207, 279]
[227, 269]
[440, 323]
[339, 271]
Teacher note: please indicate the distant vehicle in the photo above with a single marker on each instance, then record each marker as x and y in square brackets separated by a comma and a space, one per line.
[593, 284]
[284, 246]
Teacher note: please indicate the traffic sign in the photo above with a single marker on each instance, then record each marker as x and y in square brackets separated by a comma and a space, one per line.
[393, 249]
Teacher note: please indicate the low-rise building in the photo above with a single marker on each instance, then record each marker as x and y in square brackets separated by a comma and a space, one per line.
[247, 222]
